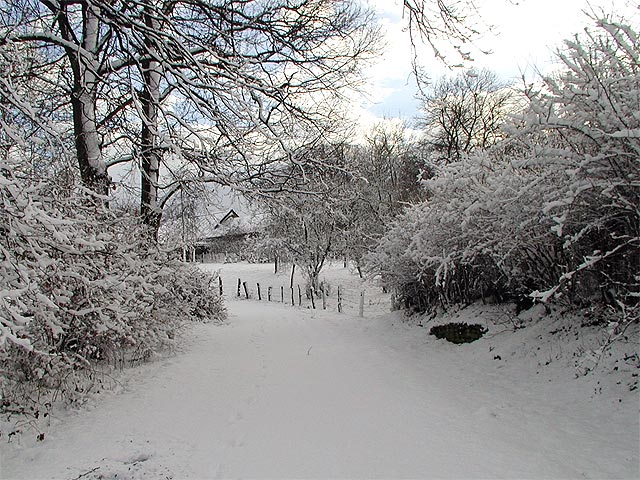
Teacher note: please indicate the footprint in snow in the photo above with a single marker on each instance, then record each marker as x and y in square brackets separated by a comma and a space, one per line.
[235, 417]
[485, 412]
[239, 442]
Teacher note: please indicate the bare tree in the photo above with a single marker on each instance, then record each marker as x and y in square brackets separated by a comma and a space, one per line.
[308, 228]
[387, 172]
[197, 91]
[219, 86]
[433, 21]
[464, 113]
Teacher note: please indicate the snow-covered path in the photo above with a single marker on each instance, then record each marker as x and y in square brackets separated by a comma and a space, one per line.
[284, 392]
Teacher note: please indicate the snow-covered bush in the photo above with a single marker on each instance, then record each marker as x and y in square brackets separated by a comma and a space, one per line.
[478, 236]
[80, 286]
[400, 272]
[592, 110]
[550, 213]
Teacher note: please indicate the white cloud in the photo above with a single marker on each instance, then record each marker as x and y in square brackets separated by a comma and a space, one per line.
[526, 34]
[390, 74]
[386, 8]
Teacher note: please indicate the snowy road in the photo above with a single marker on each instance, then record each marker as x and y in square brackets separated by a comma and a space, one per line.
[283, 392]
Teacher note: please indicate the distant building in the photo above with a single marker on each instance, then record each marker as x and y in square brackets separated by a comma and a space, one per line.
[227, 240]
[228, 220]
[211, 228]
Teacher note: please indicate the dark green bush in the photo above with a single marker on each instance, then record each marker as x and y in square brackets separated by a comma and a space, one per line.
[458, 332]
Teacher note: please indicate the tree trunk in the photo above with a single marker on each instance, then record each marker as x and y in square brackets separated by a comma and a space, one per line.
[314, 279]
[150, 210]
[93, 169]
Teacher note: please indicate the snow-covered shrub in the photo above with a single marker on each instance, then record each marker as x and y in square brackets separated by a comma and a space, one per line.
[551, 212]
[391, 258]
[80, 286]
[592, 110]
[479, 235]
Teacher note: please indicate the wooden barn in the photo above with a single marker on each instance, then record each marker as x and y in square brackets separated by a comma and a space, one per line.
[227, 241]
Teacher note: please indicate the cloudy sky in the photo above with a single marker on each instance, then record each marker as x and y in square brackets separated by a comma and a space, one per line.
[524, 35]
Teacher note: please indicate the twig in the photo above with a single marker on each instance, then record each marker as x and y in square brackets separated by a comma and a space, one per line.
[86, 473]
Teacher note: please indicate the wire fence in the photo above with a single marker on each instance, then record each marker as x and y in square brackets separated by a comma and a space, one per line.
[335, 298]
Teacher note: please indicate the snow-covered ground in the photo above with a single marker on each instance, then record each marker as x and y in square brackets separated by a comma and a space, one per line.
[292, 392]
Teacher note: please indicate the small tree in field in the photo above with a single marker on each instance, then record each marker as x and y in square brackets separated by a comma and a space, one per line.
[309, 226]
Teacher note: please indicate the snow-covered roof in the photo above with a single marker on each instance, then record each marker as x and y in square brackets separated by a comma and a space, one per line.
[222, 213]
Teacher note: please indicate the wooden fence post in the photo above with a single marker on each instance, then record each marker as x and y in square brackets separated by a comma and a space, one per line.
[361, 310]
[220, 284]
[269, 293]
[239, 283]
[339, 300]
[281, 294]
[259, 294]
[246, 292]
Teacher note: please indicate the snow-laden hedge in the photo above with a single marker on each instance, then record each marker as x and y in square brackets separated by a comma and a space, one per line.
[551, 213]
[81, 286]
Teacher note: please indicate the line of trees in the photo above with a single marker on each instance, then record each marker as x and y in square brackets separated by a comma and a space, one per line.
[348, 203]
[209, 91]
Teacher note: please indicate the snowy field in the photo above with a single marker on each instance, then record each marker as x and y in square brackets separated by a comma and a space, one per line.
[292, 392]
